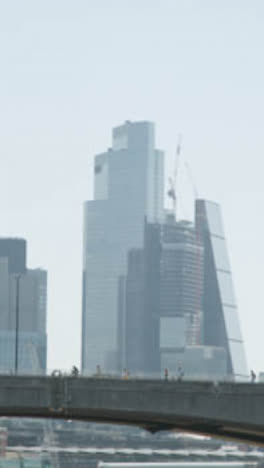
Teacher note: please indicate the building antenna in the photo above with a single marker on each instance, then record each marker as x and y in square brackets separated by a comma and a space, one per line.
[172, 192]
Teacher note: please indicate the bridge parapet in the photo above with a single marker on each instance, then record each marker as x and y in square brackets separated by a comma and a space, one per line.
[221, 409]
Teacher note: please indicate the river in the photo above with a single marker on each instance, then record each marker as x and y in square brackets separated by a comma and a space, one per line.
[75, 457]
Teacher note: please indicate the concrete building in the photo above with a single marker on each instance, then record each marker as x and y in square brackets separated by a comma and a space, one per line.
[23, 296]
[128, 187]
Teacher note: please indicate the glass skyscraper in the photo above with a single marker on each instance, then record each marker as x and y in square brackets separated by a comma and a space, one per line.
[128, 189]
[178, 306]
[157, 293]
[23, 304]
[221, 321]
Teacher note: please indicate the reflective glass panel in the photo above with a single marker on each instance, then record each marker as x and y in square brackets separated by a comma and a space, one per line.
[238, 358]
[232, 323]
[172, 332]
[226, 287]
[220, 253]
[214, 218]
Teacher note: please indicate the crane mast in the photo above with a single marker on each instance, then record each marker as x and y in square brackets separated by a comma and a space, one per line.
[172, 192]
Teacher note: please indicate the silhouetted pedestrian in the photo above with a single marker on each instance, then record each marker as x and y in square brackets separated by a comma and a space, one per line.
[75, 371]
[180, 373]
[166, 374]
[252, 376]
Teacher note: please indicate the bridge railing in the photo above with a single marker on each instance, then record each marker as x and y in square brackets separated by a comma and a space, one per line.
[74, 372]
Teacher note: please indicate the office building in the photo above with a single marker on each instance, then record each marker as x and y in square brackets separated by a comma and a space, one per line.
[23, 296]
[176, 303]
[139, 307]
[128, 187]
[161, 313]
[221, 322]
[15, 250]
[181, 290]
[157, 293]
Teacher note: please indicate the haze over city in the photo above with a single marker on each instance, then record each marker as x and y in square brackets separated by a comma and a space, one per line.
[73, 70]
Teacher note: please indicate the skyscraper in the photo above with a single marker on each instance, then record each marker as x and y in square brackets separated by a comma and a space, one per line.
[139, 306]
[22, 311]
[221, 321]
[181, 291]
[157, 293]
[178, 304]
[128, 189]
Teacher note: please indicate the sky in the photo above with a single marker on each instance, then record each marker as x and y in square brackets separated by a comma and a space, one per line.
[73, 69]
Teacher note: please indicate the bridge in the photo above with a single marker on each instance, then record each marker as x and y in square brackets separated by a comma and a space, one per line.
[225, 410]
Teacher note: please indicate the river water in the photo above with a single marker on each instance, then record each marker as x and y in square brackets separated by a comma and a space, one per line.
[74, 457]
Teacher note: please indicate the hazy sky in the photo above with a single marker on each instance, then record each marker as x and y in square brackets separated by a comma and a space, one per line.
[73, 69]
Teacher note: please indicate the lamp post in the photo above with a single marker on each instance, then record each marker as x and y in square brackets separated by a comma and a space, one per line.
[17, 277]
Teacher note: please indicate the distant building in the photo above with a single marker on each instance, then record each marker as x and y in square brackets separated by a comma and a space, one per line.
[177, 306]
[15, 250]
[181, 290]
[24, 291]
[128, 187]
[221, 322]
[139, 307]
[156, 293]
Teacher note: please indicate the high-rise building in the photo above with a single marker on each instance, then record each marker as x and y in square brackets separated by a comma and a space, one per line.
[15, 250]
[181, 290]
[156, 293]
[128, 188]
[177, 306]
[139, 307]
[221, 321]
[23, 295]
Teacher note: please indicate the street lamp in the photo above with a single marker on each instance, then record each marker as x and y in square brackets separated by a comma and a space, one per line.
[17, 278]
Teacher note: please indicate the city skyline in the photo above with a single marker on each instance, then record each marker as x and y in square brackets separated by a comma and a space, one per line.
[157, 291]
[115, 225]
[61, 92]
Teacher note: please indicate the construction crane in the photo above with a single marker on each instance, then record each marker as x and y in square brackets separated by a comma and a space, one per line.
[173, 195]
[172, 192]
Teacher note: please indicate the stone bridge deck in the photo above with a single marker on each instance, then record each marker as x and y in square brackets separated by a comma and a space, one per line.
[223, 410]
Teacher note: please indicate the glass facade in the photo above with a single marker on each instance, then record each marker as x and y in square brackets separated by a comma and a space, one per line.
[153, 286]
[172, 332]
[221, 323]
[127, 192]
[181, 285]
[29, 288]
[32, 353]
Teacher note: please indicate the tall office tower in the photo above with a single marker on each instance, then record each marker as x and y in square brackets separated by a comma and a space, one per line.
[181, 289]
[23, 338]
[15, 250]
[221, 322]
[161, 312]
[139, 307]
[176, 303]
[128, 188]
[181, 306]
